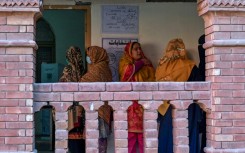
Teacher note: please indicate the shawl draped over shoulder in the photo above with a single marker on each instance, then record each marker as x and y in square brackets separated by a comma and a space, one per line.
[98, 70]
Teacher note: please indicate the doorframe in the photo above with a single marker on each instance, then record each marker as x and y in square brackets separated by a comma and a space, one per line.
[86, 8]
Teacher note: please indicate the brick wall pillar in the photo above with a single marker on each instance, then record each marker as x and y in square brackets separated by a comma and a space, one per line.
[225, 56]
[17, 65]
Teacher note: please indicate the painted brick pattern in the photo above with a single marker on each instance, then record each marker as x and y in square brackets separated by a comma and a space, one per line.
[119, 95]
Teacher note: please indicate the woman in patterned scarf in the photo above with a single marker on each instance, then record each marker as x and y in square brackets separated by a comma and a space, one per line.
[134, 66]
[74, 70]
[175, 66]
[98, 66]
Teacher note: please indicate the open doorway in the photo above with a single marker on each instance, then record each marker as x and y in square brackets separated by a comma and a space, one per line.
[59, 28]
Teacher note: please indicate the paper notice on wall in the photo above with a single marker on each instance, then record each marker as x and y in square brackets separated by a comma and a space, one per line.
[120, 19]
[115, 49]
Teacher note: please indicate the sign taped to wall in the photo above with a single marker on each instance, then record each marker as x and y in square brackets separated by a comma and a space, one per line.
[115, 49]
[120, 19]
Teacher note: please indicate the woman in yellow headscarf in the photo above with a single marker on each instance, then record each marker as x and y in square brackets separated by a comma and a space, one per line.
[134, 66]
[175, 66]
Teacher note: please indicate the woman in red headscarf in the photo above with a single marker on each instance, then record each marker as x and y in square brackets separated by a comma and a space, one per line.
[134, 66]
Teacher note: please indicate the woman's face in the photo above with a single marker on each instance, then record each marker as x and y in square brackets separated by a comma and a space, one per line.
[136, 51]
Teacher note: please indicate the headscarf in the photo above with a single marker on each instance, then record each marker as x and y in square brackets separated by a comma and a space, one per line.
[174, 65]
[74, 70]
[127, 67]
[98, 70]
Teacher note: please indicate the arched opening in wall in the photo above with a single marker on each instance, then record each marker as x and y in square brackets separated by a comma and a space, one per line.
[60, 28]
[106, 130]
[197, 128]
[45, 129]
[165, 128]
[45, 39]
[76, 128]
[135, 118]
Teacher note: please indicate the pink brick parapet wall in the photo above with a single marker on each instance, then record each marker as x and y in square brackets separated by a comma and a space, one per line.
[119, 95]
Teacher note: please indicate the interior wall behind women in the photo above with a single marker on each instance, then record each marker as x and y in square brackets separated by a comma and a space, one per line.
[158, 23]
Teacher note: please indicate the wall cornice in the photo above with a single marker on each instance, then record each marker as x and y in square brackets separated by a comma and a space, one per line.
[220, 5]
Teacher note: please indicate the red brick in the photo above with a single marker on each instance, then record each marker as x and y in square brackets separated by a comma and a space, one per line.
[179, 113]
[180, 132]
[239, 123]
[181, 104]
[66, 96]
[239, 108]
[61, 144]
[145, 86]
[47, 96]
[18, 140]
[92, 115]
[150, 115]
[168, 86]
[42, 87]
[232, 86]
[121, 134]
[19, 110]
[8, 117]
[107, 95]
[61, 134]
[150, 133]
[167, 95]
[9, 147]
[61, 125]
[92, 143]
[19, 50]
[126, 96]
[150, 124]
[233, 145]
[222, 108]
[98, 86]
[9, 28]
[233, 72]
[180, 123]
[20, 36]
[181, 140]
[118, 86]
[60, 116]
[201, 95]
[224, 123]
[65, 87]
[23, 95]
[233, 130]
[239, 137]
[20, 80]
[92, 124]
[222, 93]
[181, 149]
[237, 35]
[92, 134]
[8, 87]
[121, 143]
[233, 115]
[120, 125]
[145, 95]
[120, 116]
[237, 20]
[238, 93]
[83, 96]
